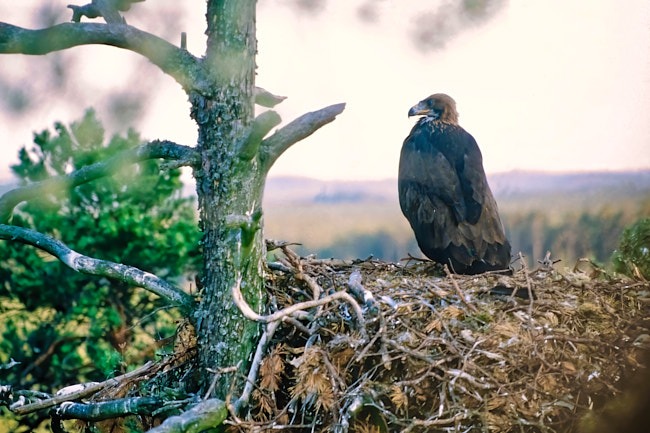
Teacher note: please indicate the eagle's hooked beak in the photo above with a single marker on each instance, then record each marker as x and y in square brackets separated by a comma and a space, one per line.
[421, 109]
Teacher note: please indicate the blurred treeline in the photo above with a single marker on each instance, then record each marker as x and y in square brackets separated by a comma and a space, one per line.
[572, 216]
[592, 234]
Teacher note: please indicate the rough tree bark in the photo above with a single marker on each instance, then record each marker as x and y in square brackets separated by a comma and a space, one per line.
[229, 187]
[231, 161]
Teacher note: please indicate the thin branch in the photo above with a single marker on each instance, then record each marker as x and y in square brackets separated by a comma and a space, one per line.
[152, 150]
[294, 260]
[432, 422]
[255, 365]
[300, 307]
[97, 267]
[48, 353]
[459, 292]
[185, 68]
[301, 128]
[529, 287]
[78, 392]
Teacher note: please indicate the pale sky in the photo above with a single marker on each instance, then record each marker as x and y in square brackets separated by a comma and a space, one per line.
[554, 85]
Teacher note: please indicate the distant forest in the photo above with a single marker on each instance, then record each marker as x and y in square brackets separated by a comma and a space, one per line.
[571, 215]
[593, 234]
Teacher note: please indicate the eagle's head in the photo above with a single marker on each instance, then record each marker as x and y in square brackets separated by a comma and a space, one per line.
[438, 107]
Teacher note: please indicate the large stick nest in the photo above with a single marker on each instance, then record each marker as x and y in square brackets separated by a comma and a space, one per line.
[450, 353]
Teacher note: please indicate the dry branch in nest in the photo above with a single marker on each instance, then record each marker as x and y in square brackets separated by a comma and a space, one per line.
[443, 353]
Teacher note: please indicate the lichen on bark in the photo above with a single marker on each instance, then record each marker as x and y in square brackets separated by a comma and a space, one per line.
[229, 190]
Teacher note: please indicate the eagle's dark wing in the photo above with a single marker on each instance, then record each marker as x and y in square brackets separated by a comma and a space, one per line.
[483, 214]
[430, 193]
[445, 196]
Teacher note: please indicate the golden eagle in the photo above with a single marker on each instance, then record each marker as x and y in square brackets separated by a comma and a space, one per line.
[444, 194]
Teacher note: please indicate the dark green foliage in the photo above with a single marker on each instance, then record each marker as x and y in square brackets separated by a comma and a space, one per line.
[633, 254]
[65, 327]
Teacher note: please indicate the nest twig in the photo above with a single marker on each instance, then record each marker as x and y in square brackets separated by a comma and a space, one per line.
[441, 352]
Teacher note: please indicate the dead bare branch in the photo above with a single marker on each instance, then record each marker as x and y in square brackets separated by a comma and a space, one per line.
[459, 292]
[79, 392]
[528, 284]
[301, 128]
[97, 267]
[248, 312]
[251, 379]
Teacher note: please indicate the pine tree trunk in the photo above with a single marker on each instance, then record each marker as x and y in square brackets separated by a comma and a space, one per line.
[229, 188]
